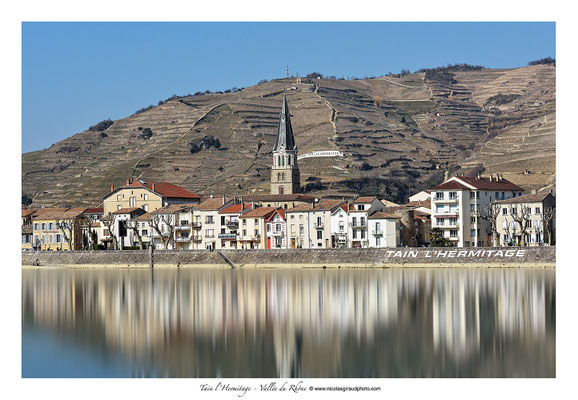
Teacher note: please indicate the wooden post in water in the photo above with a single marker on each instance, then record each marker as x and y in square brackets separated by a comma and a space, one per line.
[152, 256]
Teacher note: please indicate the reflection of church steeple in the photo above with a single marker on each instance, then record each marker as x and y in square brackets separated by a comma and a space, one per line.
[285, 176]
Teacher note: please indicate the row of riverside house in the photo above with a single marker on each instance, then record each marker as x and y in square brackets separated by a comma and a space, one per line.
[462, 211]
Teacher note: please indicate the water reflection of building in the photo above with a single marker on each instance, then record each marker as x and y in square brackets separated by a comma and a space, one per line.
[291, 323]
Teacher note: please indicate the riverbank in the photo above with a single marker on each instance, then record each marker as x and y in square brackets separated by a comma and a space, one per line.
[536, 257]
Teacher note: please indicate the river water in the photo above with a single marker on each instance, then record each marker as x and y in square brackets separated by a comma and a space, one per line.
[288, 323]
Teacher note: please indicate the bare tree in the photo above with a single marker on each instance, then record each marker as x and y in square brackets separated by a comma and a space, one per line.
[91, 220]
[521, 218]
[133, 225]
[547, 216]
[506, 228]
[490, 212]
[109, 222]
[66, 226]
[158, 221]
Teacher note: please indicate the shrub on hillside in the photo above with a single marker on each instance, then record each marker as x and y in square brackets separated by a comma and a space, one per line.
[146, 134]
[547, 60]
[101, 126]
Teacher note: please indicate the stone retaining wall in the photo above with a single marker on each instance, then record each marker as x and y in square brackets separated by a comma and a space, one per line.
[301, 257]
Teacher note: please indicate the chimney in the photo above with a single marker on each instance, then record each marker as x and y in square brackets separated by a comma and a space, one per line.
[153, 186]
[491, 178]
[479, 176]
[224, 199]
[128, 181]
[112, 188]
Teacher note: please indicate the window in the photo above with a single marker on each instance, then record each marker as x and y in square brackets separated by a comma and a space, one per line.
[146, 196]
[354, 221]
[362, 222]
[209, 219]
[497, 195]
[503, 195]
[473, 233]
[210, 233]
[341, 227]
[43, 239]
[452, 221]
[58, 239]
[439, 195]
[144, 232]
[118, 198]
[378, 241]
[472, 195]
[528, 224]
[292, 216]
[354, 234]
[244, 222]
[477, 195]
[301, 229]
[377, 226]
[472, 220]
[361, 207]
[453, 195]
[439, 209]
[537, 210]
[145, 207]
[244, 232]
[49, 238]
[36, 226]
[292, 229]
[118, 207]
[472, 207]
[362, 234]
[319, 234]
[515, 211]
[256, 221]
[454, 233]
[43, 226]
[440, 221]
[268, 227]
[504, 211]
[256, 232]
[132, 201]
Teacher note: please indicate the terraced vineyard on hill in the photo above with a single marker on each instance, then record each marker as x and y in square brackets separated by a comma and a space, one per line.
[398, 134]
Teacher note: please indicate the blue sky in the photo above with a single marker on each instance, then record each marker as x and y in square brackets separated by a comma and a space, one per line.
[77, 74]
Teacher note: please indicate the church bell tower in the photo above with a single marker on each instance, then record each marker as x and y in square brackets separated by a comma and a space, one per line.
[285, 176]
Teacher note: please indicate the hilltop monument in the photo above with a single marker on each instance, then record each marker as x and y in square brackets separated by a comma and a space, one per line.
[285, 175]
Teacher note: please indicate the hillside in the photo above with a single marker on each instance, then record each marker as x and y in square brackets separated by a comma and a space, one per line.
[425, 125]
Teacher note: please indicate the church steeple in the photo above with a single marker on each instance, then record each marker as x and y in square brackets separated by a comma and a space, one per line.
[285, 175]
[285, 131]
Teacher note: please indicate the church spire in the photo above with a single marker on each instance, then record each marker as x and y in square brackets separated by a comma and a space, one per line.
[285, 132]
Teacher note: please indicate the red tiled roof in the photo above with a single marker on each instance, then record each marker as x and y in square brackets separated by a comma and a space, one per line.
[26, 213]
[211, 204]
[259, 212]
[383, 215]
[451, 185]
[279, 211]
[98, 210]
[526, 198]
[127, 210]
[66, 214]
[173, 208]
[277, 197]
[367, 199]
[419, 203]
[482, 183]
[235, 208]
[165, 189]
[323, 205]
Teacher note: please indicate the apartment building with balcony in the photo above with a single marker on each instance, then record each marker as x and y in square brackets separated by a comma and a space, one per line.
[359, 212]
[383, 230]
[310, 224]
[251, 233]
[206, 222]
[149, 196]
[229, 225]
[340, 227]
[276, 230]
[456, 202]
[537, 218]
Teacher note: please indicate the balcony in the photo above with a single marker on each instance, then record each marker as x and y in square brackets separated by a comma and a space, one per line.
[359, 225]
[455, 225]
[196, 225]
[232, 224]
[181, 239]
[196, 238]
[341, 233]
[183, 228]
[446, 213]
[276, 233]
[227, 236]
[377, 233]
[318, 225]
[446, 200]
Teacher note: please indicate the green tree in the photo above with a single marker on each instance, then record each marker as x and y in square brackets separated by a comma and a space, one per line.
[437, 239]
[217, 143]
[26, 200]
